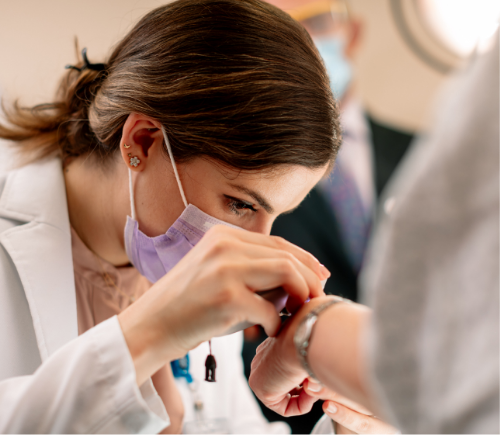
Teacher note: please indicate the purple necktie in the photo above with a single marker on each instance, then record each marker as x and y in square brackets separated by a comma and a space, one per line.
[343, 196]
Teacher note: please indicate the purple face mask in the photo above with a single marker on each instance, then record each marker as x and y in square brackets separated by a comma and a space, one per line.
[153, 257]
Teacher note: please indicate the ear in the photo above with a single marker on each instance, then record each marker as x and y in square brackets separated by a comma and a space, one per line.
[354, 34]
[140, 133]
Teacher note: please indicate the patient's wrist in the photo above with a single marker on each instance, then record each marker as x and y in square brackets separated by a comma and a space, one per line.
[305, 330]
[335, 349]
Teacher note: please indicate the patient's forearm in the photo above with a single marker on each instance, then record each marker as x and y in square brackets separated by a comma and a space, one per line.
[335, 352]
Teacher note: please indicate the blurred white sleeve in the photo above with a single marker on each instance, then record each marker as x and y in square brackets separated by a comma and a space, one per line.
[87, 386]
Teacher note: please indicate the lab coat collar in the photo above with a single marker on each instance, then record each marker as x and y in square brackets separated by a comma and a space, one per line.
[40, 247]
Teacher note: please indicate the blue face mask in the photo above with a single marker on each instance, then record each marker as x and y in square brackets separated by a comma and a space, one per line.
[331, 50]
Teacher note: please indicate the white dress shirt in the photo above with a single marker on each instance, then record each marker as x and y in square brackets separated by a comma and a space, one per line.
[356, 153]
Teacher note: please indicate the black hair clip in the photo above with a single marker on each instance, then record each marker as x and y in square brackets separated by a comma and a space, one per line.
[87, 64]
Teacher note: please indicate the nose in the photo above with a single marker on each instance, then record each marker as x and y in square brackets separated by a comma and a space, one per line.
[264, 226]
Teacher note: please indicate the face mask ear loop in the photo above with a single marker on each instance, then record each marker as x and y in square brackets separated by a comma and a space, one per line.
[171, 155]
[131, 191]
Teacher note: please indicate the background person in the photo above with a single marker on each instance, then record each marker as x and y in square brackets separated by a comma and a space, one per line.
[427, 357]
[335, 219]
[183, 128]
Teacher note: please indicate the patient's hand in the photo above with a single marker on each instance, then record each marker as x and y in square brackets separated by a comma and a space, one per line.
[349, 416]
[277, 372]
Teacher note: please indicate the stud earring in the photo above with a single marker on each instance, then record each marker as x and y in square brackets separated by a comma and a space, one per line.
[134, 161]
[126, 146]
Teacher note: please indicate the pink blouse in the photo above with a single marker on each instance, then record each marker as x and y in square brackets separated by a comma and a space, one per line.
[102, 291]
[97, 299]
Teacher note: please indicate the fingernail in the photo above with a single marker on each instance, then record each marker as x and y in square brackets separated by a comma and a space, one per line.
[325, 272]
[313, 386]
[332, 409]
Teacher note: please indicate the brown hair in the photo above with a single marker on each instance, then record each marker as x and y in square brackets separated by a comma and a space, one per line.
[235, 80]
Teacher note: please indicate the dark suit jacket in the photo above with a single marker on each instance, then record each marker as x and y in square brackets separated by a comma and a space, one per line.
[313, 225]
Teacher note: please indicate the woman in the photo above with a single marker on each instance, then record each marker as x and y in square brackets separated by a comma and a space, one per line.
[208, 112]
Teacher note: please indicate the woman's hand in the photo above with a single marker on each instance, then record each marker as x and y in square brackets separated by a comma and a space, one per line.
[349, 416]
[211, 290]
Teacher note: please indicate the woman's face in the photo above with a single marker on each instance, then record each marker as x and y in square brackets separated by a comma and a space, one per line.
[250, 200]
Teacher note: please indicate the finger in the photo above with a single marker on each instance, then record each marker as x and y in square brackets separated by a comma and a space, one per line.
[273, 242]
[315, 389]
[352, 420]
[299, 404]
[271, 273]
[292, 405]
[296, 391]
[257, 252]
[254, 309]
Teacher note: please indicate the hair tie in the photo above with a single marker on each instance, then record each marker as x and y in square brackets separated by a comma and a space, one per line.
[87, 64]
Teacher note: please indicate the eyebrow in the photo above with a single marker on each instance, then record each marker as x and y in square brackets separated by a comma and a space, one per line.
[258, 198]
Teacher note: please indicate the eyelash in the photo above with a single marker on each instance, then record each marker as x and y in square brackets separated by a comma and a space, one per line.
[236, 207]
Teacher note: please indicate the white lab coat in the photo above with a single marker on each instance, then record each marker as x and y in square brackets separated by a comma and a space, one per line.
[51, 380]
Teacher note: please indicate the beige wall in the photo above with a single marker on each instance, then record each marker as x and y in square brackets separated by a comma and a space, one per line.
[36, 42]
[37, 38]
[396, 86]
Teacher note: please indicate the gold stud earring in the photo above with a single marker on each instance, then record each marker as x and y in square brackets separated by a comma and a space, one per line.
[134, 161]
[126, 146]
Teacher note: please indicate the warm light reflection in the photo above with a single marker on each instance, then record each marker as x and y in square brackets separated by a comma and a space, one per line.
[461, 24]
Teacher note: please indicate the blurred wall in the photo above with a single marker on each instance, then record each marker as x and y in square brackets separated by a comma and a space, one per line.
[37, 39]
[36, 42]
[396, 86]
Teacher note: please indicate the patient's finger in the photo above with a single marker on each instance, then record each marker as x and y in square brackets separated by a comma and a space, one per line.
[355, 421]
[315, 389]
[295, 404]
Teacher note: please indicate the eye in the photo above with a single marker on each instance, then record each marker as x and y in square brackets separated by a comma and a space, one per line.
[238, 207]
